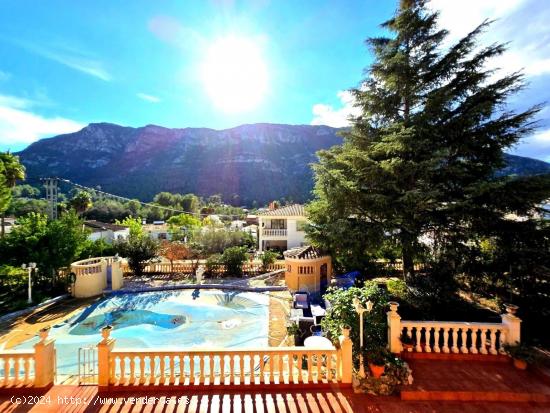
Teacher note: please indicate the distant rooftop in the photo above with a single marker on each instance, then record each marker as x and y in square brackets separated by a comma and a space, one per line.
[97, 226]
[304, 253]
[295, 210]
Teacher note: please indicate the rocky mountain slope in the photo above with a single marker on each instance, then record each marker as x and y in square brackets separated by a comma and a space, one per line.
[258, 162]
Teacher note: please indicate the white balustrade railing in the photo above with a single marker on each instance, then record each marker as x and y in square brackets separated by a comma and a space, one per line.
[452, 336]
[268, 232]
[29, 368]
[218, 366]
[223, 367]
[16, 368]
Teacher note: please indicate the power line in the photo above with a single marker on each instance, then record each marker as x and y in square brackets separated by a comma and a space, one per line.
[121, 198]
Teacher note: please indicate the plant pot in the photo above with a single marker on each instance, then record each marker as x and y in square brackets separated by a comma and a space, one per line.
[376, 371]
[520, 364]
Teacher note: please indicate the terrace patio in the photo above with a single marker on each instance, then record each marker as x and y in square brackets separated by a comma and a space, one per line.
[440, 386]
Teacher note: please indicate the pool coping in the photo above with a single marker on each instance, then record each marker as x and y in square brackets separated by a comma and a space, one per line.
[195, 287]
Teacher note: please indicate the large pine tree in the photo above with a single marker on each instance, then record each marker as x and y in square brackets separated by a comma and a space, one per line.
[422, 158]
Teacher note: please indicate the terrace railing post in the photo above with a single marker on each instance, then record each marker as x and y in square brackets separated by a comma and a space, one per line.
[394, 328]
[513, 324]
[346, 358]
[44, 360]
[104, 348]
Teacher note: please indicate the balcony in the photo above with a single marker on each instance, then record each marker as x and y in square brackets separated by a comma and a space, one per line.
[268, 232]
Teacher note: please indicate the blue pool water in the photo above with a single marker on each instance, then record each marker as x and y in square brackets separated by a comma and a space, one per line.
[165, 319]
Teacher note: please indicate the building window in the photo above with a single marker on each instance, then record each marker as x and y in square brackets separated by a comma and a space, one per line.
[278, 224]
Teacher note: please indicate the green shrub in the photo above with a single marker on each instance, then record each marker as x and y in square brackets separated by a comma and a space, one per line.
[213, 263]
[268, 258]
[138, 251]
[233, 259]
[342, 313]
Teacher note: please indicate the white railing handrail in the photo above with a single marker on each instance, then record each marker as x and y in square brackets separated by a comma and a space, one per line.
[13, 352]
[452, 324]
[218, 350]
[453, 336]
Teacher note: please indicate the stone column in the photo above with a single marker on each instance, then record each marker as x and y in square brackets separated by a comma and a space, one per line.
[394, 328]
[510, 320]
[44, 360]
[346, 359]
[104, 348]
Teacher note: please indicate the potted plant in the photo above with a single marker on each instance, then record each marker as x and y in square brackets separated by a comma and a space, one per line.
[293, 330]
[406, 341]
[521, 354]
[377, 358]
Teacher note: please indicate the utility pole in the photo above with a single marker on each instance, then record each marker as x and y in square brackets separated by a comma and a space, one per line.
[51, 196]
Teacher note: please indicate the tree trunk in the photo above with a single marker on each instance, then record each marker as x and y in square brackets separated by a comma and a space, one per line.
[2, 223]
[407, 254]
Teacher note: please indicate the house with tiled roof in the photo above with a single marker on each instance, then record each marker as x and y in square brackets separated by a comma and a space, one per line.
[282, 228]
[107, 232]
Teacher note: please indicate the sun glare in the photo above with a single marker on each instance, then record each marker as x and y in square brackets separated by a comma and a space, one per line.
[234, 74]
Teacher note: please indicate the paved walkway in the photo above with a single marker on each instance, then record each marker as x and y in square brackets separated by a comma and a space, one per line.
[61, 399]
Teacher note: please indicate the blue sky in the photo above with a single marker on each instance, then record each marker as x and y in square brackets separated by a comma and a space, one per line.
[65, 64]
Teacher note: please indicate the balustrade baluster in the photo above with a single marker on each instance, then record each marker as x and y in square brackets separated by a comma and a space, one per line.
[162, 377]
[418, 339]
[473, 347]
[16, 369]
[319, 365]
[232, 369]
[201, 369]
[483, 341]
[211, 369]
[182, 369]
[6, 370]
[299, 364]
[122, 369]
[222, 369]
[445, 340]
[309, 367]
[493, 349]
[192, 368]
[428, 336]
[172, 368]
[271, 367]
[262, 368]
[330, 362]
[27, 367]
[281, 374]
[152, 375]
[436, 339]
[241, 367]
[455, 340]
[464, 338]
[132, 369]
[251, 366]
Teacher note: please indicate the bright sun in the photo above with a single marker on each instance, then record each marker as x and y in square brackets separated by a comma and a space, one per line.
[234, 74]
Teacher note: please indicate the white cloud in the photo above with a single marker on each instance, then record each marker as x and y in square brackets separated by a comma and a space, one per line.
[527, 50]
[20, 125]
[74, 57]
[148, 98]
[336, 117]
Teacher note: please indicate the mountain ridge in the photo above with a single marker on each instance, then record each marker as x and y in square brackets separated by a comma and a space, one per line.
[250, 162]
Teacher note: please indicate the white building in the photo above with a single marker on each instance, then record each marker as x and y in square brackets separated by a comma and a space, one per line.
[107, 232]
[282, 228]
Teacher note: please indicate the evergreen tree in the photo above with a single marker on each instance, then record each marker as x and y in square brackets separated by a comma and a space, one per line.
[423, 155]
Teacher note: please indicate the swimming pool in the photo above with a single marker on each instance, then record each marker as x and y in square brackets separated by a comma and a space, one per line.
[190, 319]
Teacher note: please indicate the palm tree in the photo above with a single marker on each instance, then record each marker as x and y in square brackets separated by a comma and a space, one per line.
[81, 202]
[13, 171]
